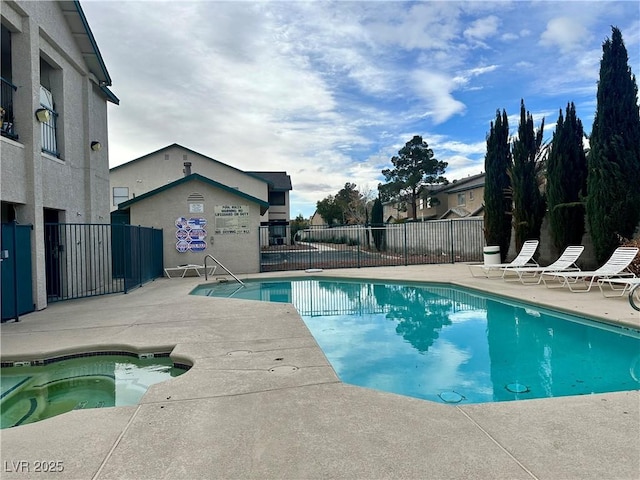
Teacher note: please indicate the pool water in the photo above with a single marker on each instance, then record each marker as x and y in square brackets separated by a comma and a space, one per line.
[33, 393]
[449, 344]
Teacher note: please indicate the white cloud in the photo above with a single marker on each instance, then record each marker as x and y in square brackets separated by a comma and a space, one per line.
[565, 33]
[435, 89]
[482, 28]
[329, 91]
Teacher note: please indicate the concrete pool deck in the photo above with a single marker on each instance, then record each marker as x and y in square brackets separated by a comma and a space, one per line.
[232, 417]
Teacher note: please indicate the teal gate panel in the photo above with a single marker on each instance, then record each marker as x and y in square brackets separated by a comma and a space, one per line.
[17, 294]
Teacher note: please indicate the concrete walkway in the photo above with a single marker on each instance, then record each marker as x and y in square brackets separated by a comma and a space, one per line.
[231, 417]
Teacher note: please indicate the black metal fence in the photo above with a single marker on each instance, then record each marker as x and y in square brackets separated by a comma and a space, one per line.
[84, 260]
[355, 246]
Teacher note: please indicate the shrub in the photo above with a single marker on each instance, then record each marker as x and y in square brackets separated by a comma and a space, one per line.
[635, 265]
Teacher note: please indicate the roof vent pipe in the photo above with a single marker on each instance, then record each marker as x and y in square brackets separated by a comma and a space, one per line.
[187, 169]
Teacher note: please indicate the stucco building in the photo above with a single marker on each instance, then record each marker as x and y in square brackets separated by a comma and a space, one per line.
[199, 216]
[458, 199]
[215, 190]
[54, 145]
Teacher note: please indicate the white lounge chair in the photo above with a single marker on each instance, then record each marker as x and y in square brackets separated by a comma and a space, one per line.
[615, 267]
[614, 284]
[189, 268]
[522, 260]
[565, 263]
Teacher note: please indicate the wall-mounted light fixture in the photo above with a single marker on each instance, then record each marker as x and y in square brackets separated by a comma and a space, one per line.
[96, 146]
[43, 115]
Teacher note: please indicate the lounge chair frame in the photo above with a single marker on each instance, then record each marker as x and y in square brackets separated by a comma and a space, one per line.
[616, 267]
[189, 268]
[565, 263]
[524, 259]
[626, 283]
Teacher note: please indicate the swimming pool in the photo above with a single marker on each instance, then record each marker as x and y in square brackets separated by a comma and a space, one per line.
[450, 344]
[32, 393]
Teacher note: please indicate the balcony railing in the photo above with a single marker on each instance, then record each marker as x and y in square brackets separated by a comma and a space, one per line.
[48, 128]
[7, 122]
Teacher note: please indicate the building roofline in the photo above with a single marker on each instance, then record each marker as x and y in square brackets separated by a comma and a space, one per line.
[458, 184]
[93, 58]
[122, 165]
[195, 176]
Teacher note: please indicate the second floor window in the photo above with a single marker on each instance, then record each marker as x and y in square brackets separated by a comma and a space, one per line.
[276, 198]
[48, 128]
[461, 199]
[120, 194]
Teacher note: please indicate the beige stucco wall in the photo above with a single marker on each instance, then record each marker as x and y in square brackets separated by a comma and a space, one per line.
[238, 252]
[76, 184]
[471, 204]
[166, 166]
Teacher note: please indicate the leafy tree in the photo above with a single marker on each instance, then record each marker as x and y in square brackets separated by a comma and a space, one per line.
[613, 192]
[528, 202]
[377, 222]
[352, 204]
[567, 181]
[497, 197]
[330, 210]
[414, 168]
[299, 223]
[347, 207]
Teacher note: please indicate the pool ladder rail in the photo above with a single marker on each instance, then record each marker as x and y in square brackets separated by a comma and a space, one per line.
[206, 276]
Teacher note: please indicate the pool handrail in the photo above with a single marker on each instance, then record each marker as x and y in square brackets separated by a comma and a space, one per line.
[206, 277]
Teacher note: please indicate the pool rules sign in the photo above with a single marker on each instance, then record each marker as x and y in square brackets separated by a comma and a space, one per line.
[231, 219]
[191, 235]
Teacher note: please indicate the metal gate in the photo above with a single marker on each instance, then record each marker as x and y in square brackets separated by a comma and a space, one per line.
[15, 263]
[355, 246]
[85, 260]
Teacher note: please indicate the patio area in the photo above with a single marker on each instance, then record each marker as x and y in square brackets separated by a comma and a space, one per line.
[231, 417]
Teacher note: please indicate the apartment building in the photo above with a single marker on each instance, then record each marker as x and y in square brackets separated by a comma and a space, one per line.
[53, 123]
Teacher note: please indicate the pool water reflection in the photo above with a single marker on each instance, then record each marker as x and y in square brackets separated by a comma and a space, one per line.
[452, 345]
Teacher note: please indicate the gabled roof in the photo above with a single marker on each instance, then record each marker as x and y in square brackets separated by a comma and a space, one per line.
[279, 181]
[463, 184]
[176, 145]
[462, 212]
[85, 40]
[457, 211]
[264, 206]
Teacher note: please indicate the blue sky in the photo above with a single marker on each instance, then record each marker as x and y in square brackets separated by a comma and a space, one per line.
[330, 91]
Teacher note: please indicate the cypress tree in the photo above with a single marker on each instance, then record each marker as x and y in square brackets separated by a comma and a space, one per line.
[567, 181]
[377, 222]
[497, 200]
[528, 201]
[613, 180]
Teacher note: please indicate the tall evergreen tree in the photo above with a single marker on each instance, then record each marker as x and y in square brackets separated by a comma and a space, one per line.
[614, 159]
[414, 168]
[528, 201]
[497, 200]
[377, 222]
[567, 181]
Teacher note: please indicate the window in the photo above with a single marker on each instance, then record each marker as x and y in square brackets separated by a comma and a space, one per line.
[421, 207]
[7, 88]
[48, 129]
[276, 198]
[461, 199]
[471, 195]
[120, 194]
